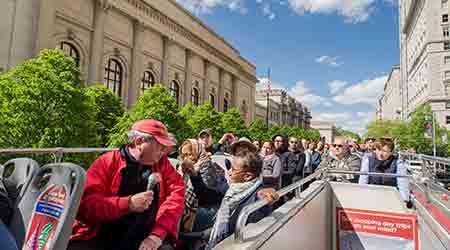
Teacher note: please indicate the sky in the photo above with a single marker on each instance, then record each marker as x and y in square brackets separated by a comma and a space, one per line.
[332, 55]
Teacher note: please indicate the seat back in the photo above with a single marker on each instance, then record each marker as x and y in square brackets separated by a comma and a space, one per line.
[21, 172]
[45, 214]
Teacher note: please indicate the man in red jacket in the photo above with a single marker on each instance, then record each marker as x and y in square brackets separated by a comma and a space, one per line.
[116, 210]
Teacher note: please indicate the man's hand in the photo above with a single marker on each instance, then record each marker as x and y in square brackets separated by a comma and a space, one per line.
[151, 243]
[140, 202]
[268, 194]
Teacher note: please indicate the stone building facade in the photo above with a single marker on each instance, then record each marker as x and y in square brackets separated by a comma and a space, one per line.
[284, 109]
[327, 130]
[425, 57]
[129, 45]
[390, 102]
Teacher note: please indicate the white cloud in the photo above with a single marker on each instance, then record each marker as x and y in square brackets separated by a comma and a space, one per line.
[206, 6]
[328, 60]
[336, 85]
[366, 92]
[304, 94]
[354, 11]
[267, 11]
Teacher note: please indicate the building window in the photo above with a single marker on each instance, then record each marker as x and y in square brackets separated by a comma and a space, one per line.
[445, 32]
[71, 51]
[195, 96]
[447, 105]
[446, 45]
[444, 3]
[447, 120]
[148, 80]
[174, 90]
[114, 76]
[445, 18]
[212, 100]
[447, 75]
[225, 105]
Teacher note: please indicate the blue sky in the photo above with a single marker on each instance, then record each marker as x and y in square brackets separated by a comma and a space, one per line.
[333, 55]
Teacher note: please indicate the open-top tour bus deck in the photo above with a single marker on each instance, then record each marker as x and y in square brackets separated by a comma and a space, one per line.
[327, 215]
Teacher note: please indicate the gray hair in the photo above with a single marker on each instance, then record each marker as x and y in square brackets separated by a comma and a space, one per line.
[133, 135]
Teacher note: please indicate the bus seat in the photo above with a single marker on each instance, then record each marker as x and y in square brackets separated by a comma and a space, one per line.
[48, 207]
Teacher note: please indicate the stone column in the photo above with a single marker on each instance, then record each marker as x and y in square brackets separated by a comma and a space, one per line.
[221, 95]
[252, 103]
[95, 74]
[234, 94]
[205, 91]
[46, 25]
[188, 77]
[166, 62]
[136, 63]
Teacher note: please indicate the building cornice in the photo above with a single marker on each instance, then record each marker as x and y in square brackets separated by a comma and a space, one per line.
[410, 15]
[146, 9]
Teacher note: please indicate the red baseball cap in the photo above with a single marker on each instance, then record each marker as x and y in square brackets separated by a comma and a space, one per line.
[156, 129]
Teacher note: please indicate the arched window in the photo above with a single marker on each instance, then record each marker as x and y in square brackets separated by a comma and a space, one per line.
[212, 99]
[174, 90]
[114, 76]
[225, 105]
[148, 80]
[71, 51]
[195, 96]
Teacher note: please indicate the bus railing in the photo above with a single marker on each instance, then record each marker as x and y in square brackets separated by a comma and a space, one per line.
[323, 174]
[57, 153]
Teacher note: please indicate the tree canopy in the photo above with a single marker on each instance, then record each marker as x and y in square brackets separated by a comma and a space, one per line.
[43, 104]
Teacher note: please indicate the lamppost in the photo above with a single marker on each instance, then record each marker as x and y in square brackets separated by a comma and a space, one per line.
[432, 126]
[268, 89]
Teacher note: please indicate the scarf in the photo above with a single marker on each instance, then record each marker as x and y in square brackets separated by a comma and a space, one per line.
[237, 193]
[198, 150]
[191, 200]
[383, 165]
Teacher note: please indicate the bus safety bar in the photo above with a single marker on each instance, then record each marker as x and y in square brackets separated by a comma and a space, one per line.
[248, 210]
[58, 153]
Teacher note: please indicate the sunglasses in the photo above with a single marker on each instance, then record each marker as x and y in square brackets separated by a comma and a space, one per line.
[338, 145]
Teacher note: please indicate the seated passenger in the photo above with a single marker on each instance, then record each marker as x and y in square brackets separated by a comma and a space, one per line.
[383, 160]
[116, 210]
[7, 241]
[271, 171]
[204, 187]
[245, 184]
[341, 159]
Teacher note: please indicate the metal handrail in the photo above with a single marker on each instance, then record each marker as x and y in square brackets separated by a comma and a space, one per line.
[53, 150]
[248, 210]
[334, 171]
[57, 153]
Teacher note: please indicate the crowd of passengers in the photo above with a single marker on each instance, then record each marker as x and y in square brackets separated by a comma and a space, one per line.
[197, 201]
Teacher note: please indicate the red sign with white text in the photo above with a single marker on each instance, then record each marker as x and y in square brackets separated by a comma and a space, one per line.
[45, 218]
[362, 229]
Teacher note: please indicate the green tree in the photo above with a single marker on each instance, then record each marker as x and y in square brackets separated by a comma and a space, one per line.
[155, 103]
[107, 107]
[411, 134]
[258, 130]
[43, 105]
[232, 121]
[349, 134]
[201, 117]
